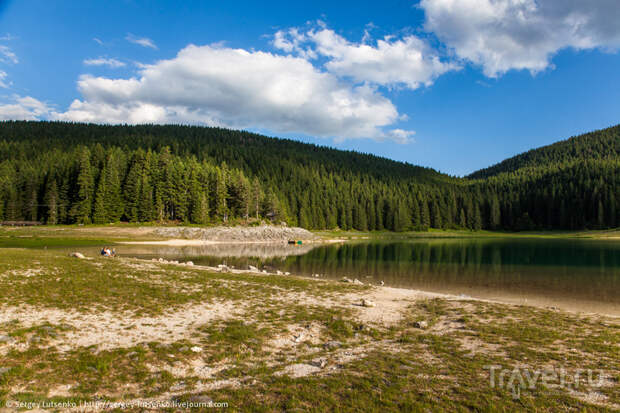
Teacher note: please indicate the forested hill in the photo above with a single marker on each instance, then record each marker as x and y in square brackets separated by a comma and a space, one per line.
[68, 173]
[601, 144]
[238, 149]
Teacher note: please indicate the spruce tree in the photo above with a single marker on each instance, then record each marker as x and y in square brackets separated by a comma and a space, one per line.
[82, 208]
[51, 202]
[100, 213]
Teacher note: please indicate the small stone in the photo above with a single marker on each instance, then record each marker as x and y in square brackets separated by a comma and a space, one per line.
[287, 273]
[4, 370]
[330, 345]
[202, 399]
[358, 282]
[368, 303]
[6, 339]
[320, 363]
[278, 272]
[190, 263]
[264, 271]
[298, 338]
[78, 255]
[420, 324]
[346, 280]
[161, 260]
[196, 349]
[252, 268]
[184, 349]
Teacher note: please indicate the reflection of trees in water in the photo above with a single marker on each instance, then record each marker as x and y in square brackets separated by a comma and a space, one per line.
[263, 251]
[580, 269]
[570, 269]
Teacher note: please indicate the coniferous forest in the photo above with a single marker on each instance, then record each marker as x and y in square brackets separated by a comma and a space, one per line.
[62, 173]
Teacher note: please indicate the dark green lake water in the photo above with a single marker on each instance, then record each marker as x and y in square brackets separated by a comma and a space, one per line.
[580, 275]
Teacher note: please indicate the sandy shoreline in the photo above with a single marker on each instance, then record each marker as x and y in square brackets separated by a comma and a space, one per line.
[201, 242]
[390, 294]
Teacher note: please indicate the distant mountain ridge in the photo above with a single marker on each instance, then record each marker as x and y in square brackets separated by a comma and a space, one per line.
[600, 144]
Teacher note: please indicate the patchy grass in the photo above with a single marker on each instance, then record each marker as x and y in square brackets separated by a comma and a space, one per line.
[287, 343]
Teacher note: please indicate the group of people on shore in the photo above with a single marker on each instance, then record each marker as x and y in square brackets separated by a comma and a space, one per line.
[107, 252]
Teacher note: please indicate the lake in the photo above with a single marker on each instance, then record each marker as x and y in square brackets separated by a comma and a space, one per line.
[576, 275]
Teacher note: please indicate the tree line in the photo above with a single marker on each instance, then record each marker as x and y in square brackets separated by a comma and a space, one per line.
[62, 173]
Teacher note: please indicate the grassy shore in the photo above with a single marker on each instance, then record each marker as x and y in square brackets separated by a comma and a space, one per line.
[610, 234]
[97, 235]
[132, 331]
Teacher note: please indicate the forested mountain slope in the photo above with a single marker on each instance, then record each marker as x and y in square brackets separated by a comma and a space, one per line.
[239, 149]
[601, 144]
[76, 173]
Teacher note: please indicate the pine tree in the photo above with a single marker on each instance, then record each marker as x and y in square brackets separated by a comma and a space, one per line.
[495, 214]
[257, 196]
[100, 213]
[145, 203]
[221, 196]
[51, 202]
[113, 198]
[477, 219]
[462, 219]
[82, 208]
[425, 215]
[200, 215]
[436, 215]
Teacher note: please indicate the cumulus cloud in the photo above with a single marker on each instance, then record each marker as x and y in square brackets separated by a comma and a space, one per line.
[142, 41]
[7, 55]
[408, 62]
[102, 61]
[501, 35]
[24, 108]
[401, 136]
[215, 85]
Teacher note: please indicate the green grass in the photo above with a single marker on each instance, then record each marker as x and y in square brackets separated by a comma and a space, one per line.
[373, 366]
[438, 233]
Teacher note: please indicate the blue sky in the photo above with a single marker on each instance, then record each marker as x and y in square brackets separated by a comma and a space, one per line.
[455, 85]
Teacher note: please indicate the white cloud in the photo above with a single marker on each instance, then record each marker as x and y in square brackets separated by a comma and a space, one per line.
[142, 41]
[102, 61]
[24, 108]
[401, 136]
[98, 41]
[3, 83]
[291, 41]
[408, 62]
[214, 85]
[7, 55]
[501, 35]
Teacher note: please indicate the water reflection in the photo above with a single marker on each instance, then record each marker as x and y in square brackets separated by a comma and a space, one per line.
[579, 274]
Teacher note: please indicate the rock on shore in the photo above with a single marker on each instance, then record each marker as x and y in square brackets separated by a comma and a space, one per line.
[264, 233]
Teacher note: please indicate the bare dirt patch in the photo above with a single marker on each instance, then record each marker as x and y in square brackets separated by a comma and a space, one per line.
[108, 330]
